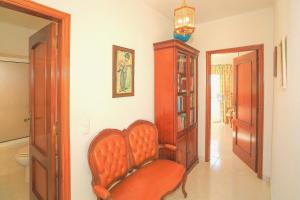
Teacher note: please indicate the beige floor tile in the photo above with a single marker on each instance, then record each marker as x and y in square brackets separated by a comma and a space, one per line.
[226, 177]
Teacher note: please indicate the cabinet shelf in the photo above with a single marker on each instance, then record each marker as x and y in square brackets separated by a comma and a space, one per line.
[182, 93]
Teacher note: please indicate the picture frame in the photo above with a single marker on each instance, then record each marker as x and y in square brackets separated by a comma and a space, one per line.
[275, 61]
[123, 72]
[284, 63]
[279, 59]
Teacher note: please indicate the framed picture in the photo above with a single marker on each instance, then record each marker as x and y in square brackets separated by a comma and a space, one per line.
[275, 62]
[279, 58]
[123, 72]
[284, 62]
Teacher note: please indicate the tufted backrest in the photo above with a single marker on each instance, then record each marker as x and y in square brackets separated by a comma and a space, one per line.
[143, 141]
[108, 157]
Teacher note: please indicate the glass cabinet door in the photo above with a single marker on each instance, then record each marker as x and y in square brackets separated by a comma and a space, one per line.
[182, 89]
[192, 90]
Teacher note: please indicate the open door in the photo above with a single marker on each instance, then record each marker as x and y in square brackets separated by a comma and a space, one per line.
[43, 114]
[245, 97]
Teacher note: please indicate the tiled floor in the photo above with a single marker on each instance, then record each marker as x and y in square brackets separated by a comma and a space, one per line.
[225, 177]
[12, 175]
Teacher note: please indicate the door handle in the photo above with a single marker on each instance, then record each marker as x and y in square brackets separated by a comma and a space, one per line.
[234, 111]
[27, 119]
[234, 116]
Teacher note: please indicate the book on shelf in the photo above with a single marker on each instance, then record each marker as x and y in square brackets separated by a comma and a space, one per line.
[181, 121]
[183, 84]
[192, 84]
[192, 101]
[192, 116]
[181, 81]
[181, 65]
[181, 104]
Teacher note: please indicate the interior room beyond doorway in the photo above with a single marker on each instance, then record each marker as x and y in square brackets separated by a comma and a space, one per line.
[222, 105]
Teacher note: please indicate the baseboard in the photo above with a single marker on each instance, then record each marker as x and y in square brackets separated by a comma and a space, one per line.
[14, 59]
[201, 158]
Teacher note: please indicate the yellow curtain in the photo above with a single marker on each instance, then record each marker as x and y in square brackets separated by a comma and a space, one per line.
[226, 82]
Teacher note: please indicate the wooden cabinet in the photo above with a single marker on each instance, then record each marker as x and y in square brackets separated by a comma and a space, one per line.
[176, 97]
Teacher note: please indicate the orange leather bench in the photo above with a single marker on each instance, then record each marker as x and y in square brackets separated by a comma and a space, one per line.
[125, 165]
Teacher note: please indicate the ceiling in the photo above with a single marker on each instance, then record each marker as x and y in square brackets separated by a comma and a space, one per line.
[22, 20]
[208, 10]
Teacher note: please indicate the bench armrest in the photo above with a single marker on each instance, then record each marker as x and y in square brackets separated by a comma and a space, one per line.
[102, 192]
[173, 148]
[167, 146]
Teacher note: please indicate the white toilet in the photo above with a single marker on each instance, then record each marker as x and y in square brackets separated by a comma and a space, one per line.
[22, 157]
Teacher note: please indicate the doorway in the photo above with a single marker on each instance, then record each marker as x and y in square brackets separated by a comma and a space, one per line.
[231, 106]
[50, 160]
[215, 98]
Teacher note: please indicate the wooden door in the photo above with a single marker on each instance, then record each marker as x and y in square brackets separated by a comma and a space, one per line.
[43, 107]
[246, 108]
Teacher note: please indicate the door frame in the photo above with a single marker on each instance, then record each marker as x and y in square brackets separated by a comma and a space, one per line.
[63, 81]
[260, 126]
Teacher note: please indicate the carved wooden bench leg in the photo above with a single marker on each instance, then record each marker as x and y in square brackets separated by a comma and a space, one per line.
[183, 186]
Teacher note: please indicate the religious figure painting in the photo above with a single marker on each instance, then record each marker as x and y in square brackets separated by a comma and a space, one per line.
[123, 72]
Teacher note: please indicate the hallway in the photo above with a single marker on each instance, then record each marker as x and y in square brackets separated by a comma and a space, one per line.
[225, 177]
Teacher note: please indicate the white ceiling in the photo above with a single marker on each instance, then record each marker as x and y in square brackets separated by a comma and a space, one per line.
[207, 10]
[22, 20]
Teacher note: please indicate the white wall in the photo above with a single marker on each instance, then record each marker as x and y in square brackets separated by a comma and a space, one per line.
[285, 182]
[14, 40]
[219, 59]
[225, 58]
[14, 104]
[96, 26]
[247, 29]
